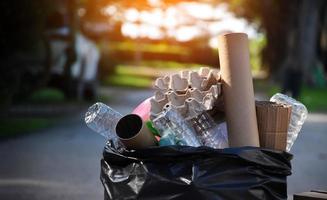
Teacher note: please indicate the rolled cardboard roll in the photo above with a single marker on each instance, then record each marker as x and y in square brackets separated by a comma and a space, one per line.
[133, 132]
[273, 120]
[238, 90]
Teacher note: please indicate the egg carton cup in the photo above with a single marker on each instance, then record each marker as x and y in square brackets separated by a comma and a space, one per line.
[161, 100]
[187, 109]
[201, 79]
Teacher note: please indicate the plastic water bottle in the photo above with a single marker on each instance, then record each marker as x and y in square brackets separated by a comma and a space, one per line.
[175, 130]
[298, 116]
[165, 130]
[185, 135]
[209, 133]
[103, 120]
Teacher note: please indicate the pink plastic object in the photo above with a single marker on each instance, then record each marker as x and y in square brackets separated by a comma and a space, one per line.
[143, 110]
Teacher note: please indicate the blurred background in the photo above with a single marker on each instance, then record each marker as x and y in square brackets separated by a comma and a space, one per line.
[60, 56]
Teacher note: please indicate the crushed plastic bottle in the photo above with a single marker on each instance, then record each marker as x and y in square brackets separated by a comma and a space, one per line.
[298, 116]
[209, 133]
[103, 120]
[165, 130]
[185, 135]
[175, 130]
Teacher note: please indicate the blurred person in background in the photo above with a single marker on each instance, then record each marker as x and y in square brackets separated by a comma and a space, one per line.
[73, 58]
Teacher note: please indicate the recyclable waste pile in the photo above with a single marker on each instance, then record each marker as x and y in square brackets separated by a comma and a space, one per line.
[180, 113]
[205, 107]
[186, 109]
[202, 135]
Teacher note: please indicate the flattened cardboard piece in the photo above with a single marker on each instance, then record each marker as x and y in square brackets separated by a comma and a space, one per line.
[238, 90]
[273, 121]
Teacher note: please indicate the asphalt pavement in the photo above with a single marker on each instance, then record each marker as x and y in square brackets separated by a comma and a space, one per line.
[63, 162]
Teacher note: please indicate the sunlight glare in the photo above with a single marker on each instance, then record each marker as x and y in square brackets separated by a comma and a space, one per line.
[143, 30]
[155, 2]
[198, 10]
[186, 33]
[152, 32]
[175, 22]
[109, 10]
[155, 17]
[130, 30]
[132, 15]
[169, 21]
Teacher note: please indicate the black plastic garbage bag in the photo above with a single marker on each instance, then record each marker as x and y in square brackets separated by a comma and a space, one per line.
[181, 172]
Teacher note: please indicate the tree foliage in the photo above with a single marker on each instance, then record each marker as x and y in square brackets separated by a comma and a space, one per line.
[293, 29]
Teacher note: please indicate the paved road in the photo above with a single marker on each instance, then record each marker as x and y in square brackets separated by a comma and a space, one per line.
[63, 162]
[310, 156]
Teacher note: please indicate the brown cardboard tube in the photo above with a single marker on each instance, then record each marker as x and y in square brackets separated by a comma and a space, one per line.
[238, 90]
[133, 133]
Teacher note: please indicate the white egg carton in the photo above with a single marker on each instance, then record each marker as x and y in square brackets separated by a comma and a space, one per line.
[202, 79]
[186, 91]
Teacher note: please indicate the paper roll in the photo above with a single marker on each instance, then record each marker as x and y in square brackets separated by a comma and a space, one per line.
[133, 132]
[238, 90]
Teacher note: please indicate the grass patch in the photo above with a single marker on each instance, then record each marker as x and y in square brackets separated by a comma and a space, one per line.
[16, 126]
[256, 46]
[143, 76]
[128, 81]
[315, 99]
[145, 47]
[154, 68]
[140, 71]
[47, 95]
[170, 64]
[103, 98]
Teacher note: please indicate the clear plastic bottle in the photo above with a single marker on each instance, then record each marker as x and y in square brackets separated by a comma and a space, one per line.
[162, 124]
[185, 135]
[103, 120]
[209, 133]
[298, 116]
[175, 130]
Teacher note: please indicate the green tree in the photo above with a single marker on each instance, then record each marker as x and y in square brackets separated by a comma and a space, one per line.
[293, 29]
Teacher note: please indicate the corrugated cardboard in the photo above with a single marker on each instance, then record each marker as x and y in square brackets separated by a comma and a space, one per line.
[273, 120]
